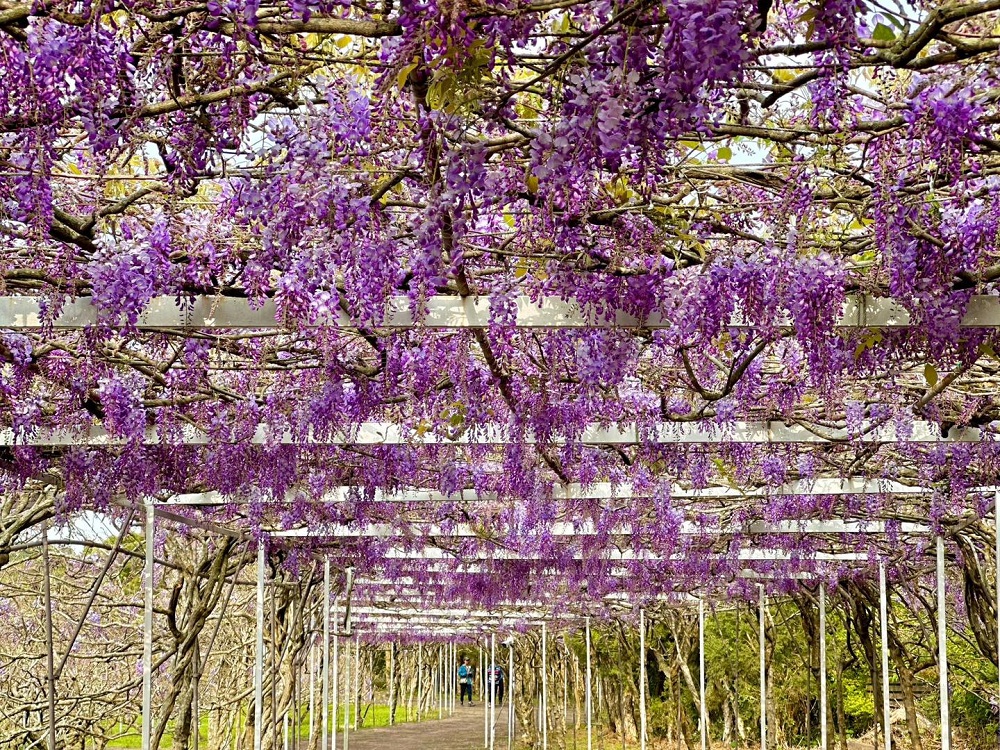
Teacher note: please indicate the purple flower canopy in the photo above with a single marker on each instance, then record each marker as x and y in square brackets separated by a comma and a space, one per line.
[571, 306]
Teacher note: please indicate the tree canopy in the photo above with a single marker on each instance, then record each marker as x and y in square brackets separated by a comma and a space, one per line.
[722, 197]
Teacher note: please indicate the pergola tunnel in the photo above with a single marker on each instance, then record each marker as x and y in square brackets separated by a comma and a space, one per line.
[333, 651]
[523, 374]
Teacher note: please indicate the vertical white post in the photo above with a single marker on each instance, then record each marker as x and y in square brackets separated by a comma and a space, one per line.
[883, 609]
[258, 664]
[589, 694]
[823, 738]
[703, 718]
[312, 665]
[347, 693]
[356, 695]
[763, 670]
[486, 707]
[942, 616]
[285, 732]
[147, 629]
[420, 677]
[545, 690]
[510, 693]
[392, 682]
[642, 679]
[325, 677]
[335, 709]
[493, 690]
[565, 686]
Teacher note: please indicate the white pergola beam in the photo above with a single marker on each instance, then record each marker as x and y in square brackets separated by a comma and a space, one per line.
[452, 629]
[481, 614]
[859, 311]
[572, 491]
[747, 555]
[567, 529]
[421, 589]
[387, 433]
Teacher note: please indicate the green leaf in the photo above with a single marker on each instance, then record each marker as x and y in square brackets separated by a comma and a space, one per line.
[725, 153]
[869, 342]
[439, 93]
[404, 74]
[895, 21]
[883, 33]
[930, 375]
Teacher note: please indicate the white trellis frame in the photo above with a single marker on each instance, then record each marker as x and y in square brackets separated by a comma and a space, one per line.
[569, 491]
[390, 433]
[441, 311]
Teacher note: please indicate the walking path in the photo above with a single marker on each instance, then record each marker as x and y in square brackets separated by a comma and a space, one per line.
[463, 731]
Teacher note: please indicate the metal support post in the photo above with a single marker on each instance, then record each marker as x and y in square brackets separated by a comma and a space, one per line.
[493, 690]
[258, 663]
[703, 718]
[510, 693]
[545, 690]
[883, 610]
[485, 699]
[312, 665]
[50, 688]
[589, 694]
[335, 709]
[392, 682]
[823, 737]
[147, 629]
[325, 679]
[642, 679]
[763, 669]
[942, 623]
[356, 694]
[347, 694]
[565, 687]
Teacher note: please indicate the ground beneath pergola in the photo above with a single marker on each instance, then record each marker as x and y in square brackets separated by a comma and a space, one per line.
[463, 731]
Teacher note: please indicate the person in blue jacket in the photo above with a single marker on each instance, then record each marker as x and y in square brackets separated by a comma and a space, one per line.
[466, 676]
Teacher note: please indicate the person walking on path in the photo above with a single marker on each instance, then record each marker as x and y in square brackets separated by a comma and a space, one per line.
[495, 680]
[465, 678]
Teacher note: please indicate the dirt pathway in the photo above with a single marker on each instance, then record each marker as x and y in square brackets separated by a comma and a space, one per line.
[463, 731]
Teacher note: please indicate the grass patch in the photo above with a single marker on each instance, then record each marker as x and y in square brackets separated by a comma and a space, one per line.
[371, 716]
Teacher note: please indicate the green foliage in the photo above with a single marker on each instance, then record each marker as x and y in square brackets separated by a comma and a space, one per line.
[731, 650]
[859, 702]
